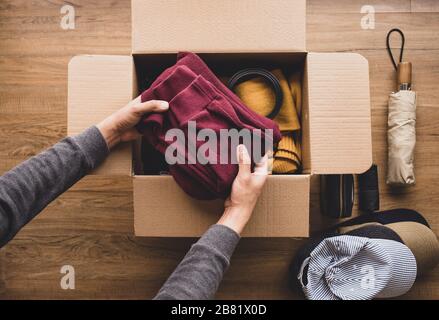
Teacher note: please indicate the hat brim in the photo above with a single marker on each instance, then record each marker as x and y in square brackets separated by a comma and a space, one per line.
[422, 242]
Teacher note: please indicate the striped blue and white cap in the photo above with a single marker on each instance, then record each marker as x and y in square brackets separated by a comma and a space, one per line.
[357, 268]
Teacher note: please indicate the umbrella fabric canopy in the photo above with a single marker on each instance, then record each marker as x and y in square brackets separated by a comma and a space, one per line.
[401, 137]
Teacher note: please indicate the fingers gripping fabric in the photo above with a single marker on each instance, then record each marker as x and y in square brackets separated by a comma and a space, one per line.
[197, 96]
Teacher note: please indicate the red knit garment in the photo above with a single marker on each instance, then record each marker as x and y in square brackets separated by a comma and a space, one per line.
[194, 93]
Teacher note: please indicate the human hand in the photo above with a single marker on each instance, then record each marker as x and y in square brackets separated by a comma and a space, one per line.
[245, 190]
[119, 126]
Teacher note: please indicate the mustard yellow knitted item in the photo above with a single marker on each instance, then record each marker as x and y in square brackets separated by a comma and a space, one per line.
[295, 82]
[258, 95]
[296, 91]
[286, 157]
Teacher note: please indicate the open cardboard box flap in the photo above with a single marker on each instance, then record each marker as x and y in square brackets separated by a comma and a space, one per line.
[337, 114]
[336, 124]
[99, 85]
[161, 26]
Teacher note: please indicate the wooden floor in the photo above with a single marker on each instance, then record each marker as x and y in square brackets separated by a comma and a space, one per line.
[91, 226]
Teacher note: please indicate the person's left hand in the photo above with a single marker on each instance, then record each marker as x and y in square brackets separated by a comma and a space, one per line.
[119, 126]
[246, 189]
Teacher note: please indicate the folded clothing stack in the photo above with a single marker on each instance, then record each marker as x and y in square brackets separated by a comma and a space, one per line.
[258, 95]
[195, 94]
[376, 255]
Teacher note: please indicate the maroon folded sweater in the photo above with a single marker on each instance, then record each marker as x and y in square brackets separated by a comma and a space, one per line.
[194, 93]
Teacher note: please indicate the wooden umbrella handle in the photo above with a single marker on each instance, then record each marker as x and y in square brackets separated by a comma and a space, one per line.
[404, 75]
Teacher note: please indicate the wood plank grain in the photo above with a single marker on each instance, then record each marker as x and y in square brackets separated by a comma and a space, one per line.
[354, 6]
[328, 32]
[424, 6]
[36, 29]
[91, 225]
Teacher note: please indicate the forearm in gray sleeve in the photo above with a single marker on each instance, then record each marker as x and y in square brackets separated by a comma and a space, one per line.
[201, 271]
[31, 186]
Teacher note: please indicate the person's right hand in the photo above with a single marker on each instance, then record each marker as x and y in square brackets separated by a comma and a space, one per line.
[245, 190]
[119, 126]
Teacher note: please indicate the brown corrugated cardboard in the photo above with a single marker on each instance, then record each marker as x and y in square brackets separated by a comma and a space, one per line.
[339, 113]
[98, 86]
[162, 209]
[336, 125]
[218, 26]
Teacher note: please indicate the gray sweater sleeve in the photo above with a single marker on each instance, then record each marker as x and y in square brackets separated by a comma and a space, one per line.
[31, 186]
[200, 272]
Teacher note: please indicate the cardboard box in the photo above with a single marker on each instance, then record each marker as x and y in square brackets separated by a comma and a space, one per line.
[230, 34]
